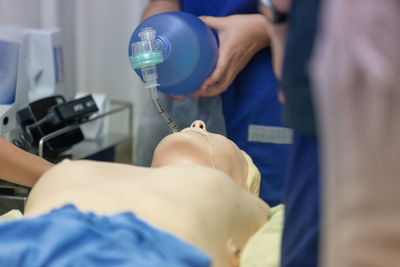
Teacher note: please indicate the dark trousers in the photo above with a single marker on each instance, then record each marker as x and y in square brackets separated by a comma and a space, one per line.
[301, 199]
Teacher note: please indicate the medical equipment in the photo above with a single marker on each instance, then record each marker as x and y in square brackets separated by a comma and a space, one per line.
[173, 52]
[145, 56]
[44, 60]
[186, 55]
[13, 81]
[35, 71]
[50, 114]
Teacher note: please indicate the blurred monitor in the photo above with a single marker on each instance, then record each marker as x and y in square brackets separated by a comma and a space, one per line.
[14, 83]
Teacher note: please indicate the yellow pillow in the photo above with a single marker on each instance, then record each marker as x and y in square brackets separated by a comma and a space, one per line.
[264, 247]
[253, 176]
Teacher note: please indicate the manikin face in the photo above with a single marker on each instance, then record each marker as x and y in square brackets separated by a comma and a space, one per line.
[194, 145]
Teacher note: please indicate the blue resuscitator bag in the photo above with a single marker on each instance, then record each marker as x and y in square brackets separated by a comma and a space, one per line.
[173, 51]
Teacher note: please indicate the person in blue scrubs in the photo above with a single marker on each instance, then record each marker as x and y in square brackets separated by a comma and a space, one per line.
[245, 81]
[294, 39]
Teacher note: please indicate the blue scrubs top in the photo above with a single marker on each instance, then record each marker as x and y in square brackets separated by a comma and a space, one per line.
[250, 105]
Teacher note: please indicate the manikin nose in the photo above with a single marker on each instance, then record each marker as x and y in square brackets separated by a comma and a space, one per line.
[199, 124]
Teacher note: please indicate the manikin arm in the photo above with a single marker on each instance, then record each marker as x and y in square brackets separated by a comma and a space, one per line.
[20, 167]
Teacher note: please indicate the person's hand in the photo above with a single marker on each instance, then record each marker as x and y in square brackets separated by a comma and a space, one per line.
[179, 98]
[240, 38]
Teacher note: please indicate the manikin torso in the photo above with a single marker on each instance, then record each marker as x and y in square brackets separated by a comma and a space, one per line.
[198, 204]
[195, 190]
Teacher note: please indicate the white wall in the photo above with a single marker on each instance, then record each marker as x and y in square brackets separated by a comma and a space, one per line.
[103, 29]
[24, 13]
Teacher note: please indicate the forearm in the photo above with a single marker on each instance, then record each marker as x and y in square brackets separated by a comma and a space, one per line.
[160, 6]
[278, 34]
[282, 5]
[20, 167]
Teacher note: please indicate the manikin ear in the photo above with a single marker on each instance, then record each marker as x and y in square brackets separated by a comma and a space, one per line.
[233, 252]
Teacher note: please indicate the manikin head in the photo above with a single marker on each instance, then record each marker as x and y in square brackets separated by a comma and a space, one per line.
[195, 145]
